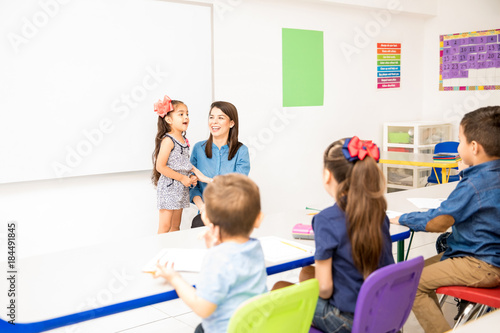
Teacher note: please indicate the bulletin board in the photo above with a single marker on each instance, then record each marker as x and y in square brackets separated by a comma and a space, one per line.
[470, 61]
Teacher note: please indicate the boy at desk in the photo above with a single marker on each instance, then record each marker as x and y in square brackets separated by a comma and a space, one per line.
[473, 212]
[233, 269]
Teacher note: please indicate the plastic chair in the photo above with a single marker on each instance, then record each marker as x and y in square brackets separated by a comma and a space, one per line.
[443, 147]
[386, 297]
[484, 298]
[289, 309]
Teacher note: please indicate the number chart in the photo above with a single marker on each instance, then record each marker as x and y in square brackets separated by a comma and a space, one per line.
[470, 61]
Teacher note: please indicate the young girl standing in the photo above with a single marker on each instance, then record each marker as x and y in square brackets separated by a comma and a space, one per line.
[171, 166]
[352, 237]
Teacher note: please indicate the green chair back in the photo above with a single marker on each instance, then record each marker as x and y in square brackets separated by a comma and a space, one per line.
[289, 309]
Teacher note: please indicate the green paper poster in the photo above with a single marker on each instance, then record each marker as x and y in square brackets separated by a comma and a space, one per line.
[303, 69]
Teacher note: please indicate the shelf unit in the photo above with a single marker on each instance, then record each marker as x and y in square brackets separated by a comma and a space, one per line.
[411, 137]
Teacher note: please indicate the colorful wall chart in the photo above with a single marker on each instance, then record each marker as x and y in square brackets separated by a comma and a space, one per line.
[470, 61]
[388, 65]
[303, 67]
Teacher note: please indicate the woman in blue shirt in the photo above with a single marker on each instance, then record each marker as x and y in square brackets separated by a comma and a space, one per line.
[221, 154]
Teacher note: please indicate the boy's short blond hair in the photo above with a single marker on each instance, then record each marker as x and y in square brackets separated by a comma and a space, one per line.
[483, 126]
[232, 202]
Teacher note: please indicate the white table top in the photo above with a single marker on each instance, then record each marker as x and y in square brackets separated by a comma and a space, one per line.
[398, 201]
[63, 283]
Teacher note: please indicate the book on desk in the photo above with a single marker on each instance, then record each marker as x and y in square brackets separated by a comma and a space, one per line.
[446, 157]
[190, 260]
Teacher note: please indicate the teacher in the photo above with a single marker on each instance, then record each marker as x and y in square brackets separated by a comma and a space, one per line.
[221, 154]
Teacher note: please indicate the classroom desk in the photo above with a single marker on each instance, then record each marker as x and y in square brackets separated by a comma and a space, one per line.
[422, 160]
[486, 323]
[68, 287]
[398, 201]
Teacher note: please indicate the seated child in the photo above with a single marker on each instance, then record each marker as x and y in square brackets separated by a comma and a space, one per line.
[472, 211]
[352, 237]
[233, 269]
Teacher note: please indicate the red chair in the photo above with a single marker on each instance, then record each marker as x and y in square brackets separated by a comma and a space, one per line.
[484, 298]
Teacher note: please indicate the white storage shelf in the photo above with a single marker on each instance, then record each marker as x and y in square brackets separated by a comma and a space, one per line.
[412, 137]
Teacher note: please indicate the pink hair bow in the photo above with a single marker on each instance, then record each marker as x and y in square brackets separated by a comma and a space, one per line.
[162, 108]
[356, 149]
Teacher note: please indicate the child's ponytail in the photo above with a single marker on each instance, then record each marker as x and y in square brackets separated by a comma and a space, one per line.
[365, 212]
[360, 193]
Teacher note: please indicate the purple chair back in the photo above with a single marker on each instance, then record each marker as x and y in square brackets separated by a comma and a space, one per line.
[386, 297]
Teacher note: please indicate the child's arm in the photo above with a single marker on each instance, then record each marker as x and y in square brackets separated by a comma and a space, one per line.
[186, 292]
[323, 273]
[161, 164]
[201, 176]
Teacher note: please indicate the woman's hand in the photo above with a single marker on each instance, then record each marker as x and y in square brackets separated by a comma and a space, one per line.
[166, 271]
[201, 176]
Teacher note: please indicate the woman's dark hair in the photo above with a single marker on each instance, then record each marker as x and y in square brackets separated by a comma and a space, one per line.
[163, 128]
[360, 194]
[232, 139]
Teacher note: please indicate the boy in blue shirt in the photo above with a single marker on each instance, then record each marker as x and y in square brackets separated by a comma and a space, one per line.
[473, 212]
[233, 269]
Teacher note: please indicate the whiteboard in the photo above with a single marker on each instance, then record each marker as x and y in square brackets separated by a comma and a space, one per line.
[79, 79]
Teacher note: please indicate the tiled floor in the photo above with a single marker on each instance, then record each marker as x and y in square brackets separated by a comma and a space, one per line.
[176, 317]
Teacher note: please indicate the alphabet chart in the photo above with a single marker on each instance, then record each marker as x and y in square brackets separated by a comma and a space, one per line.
[470, 61]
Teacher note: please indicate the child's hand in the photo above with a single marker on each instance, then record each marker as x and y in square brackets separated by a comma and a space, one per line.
[166, 271]
[462, 165]
[194, 180]
[201, 176]
[186, 181]
[395, 220]
[211, 236]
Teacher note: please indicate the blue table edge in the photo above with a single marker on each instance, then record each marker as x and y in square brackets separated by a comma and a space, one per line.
[107, 310]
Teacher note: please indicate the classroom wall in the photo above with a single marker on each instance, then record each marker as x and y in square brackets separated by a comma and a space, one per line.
[455, 16]
[287, 161]
[286, 143]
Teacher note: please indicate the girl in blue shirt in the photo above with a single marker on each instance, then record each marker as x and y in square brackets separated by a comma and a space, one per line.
[221, 154]
[352, 237]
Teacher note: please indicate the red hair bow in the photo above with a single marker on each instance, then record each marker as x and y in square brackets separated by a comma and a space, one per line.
[356, 149]
[162, 108]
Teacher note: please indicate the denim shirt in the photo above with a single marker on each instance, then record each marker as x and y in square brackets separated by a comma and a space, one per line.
[475, 206]
[218, 164]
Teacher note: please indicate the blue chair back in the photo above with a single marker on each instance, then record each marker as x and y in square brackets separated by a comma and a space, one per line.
[444, 147]
[386, 297]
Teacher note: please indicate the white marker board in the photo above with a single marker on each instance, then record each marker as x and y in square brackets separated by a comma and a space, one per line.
[79, 79]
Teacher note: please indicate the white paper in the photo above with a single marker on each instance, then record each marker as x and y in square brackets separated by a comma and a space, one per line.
[185, 260]
[392, 214]
[279, 249]
[426, 203]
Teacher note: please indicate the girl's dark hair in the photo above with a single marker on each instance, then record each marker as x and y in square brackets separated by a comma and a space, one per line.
[360, 194]
[163, 128]
[232, 139]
